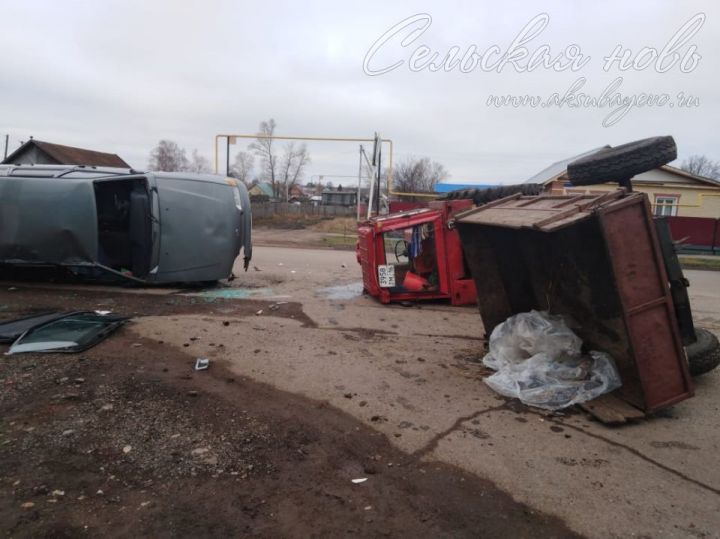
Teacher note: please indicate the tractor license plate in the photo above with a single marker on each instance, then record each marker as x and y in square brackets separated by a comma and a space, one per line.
[386, 276]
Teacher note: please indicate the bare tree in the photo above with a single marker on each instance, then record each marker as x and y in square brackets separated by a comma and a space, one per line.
[167, 156]
[198, 164]
[701, 166]
[244, 167]
[302, 159]
[293, 163]
[264, 149]
[418, 175]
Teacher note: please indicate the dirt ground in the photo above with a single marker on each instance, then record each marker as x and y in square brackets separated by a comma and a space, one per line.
[322, 236]
[314, 361]
[127, 440]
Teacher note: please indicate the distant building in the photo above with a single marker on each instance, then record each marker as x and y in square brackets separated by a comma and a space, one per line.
[262, 189]
[37, 152]
[296, 193]
[339, 198]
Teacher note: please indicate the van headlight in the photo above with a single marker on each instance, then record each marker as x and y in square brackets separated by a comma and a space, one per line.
[236, 195]
[233, 183]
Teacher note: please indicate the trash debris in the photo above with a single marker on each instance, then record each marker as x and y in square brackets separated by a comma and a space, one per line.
[538, 360]
[72, 332]
[127, 449]
[359, 480]
[259, 312]
[202, 363]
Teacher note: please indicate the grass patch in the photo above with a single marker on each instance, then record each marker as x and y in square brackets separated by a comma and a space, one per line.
[318, 223]
[290, 221]
[710, 263]
[340, 242]
[337, 225]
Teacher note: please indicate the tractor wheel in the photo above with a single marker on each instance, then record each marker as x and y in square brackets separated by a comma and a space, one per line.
[622, 162]
[704, 354]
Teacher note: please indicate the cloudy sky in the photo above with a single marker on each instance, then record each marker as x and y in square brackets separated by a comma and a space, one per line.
[119, 76]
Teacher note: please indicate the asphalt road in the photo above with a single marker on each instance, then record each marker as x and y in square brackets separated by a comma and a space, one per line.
[404, 371]
[407, 372]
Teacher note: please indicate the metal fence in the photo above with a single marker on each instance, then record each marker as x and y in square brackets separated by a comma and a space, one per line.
[267, 209]
[699, 234]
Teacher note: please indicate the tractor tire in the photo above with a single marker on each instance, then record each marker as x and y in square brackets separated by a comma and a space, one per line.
[622, 162]
[488, 194]
[483, 196]
[704, 354]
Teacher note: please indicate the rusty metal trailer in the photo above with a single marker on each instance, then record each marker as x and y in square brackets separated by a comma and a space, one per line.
[596, 260]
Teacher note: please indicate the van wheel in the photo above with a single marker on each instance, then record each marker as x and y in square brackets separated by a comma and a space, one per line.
[622, 162]
[704, 354]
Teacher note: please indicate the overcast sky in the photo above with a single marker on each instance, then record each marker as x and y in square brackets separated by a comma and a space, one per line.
[119, 76]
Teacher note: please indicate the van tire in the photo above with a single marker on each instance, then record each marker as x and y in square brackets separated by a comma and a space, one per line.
[622, 162]
[704, 354]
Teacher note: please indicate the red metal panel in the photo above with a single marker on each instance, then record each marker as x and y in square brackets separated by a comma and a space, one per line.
[641, 281]
[366, 257]
[397, 206]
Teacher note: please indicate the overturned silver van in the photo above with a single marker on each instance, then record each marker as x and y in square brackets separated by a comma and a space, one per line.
[153, 227]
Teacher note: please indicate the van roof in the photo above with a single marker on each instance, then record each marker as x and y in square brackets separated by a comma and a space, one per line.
[93, 172]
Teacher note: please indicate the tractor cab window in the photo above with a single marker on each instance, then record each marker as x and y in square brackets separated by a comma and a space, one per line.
[410, 255]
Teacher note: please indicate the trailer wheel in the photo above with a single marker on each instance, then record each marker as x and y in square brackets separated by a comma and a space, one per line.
[622, 162]
[704, 354]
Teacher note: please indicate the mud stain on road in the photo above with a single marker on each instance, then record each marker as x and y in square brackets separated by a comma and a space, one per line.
[128, 440]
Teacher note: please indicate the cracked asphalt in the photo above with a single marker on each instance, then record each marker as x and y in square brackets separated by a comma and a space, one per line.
[411, 373]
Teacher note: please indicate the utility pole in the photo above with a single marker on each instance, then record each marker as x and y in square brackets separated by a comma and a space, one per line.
[7, 139]
[227, 158]
[359, 182]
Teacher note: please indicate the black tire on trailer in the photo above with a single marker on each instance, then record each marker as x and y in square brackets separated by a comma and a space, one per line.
[704, 354]
[483, 196]
[531, 189]
[622, 162]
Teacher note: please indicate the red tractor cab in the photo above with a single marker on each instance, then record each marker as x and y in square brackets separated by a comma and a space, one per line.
[416, 255]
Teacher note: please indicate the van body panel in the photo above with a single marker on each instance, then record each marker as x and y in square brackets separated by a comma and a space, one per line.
[154, 227]
[47, 221]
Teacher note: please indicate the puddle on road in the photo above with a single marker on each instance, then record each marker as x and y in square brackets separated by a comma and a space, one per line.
[345, 291]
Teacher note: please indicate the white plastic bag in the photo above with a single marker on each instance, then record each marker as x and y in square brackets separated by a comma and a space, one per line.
[538, 360]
